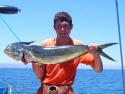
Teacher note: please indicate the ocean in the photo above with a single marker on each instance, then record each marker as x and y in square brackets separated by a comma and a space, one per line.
[23, 81]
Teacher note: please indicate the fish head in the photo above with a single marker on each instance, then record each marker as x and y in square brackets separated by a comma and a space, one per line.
[15, 50]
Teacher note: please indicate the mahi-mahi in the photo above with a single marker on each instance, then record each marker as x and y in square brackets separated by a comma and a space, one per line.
[50, 55]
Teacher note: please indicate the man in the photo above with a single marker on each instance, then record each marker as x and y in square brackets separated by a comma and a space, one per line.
[58, 78]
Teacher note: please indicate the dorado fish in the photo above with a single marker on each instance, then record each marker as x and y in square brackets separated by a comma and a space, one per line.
[50, 55]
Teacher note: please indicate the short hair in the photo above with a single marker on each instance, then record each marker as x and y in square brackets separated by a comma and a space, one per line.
[63, 16]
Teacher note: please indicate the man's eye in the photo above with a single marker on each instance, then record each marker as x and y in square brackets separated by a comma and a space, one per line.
[59, 26]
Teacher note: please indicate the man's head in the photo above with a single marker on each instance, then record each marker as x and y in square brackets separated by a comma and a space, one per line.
[63, 16]
[63, 24]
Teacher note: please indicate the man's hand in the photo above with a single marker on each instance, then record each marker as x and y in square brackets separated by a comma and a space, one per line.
[97, 65]
[93, 49]
[25, 59]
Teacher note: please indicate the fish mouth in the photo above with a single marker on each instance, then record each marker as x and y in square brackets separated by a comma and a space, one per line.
[7, 52]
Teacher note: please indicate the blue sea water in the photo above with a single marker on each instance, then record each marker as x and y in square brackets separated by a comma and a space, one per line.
[23, 81]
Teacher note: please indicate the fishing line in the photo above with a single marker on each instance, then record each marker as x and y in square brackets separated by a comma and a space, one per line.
[10, 29]
[119, 33]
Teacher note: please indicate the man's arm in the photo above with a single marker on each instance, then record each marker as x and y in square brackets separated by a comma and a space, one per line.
[38, 69]
[97, 64]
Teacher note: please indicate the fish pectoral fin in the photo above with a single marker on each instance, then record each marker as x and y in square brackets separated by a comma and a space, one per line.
[27, 55]
[106, 56]
[106, 45]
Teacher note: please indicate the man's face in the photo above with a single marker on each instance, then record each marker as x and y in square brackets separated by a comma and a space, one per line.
[62, 29]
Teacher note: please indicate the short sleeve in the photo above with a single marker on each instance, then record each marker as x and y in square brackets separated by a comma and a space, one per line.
[87, 59]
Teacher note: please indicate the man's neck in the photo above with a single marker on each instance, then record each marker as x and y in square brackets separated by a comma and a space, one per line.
[62, 41]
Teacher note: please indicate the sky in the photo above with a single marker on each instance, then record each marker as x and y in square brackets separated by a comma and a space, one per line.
[94, 21]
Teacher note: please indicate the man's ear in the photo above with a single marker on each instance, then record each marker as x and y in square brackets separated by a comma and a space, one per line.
[71, 26]
[54, 26]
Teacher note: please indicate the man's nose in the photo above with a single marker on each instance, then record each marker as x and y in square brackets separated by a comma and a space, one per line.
[62, 29]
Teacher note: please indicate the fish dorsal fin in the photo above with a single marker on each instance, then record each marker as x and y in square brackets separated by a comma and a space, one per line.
[27, 43]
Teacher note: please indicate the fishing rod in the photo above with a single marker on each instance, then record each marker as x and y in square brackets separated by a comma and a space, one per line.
[6, 9]
[119, 33]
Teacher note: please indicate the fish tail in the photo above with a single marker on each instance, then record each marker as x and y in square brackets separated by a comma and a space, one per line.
[106, 45]
[100, 47]
[106, 56]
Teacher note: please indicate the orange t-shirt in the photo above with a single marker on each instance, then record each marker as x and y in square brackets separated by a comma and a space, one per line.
[64, 74]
